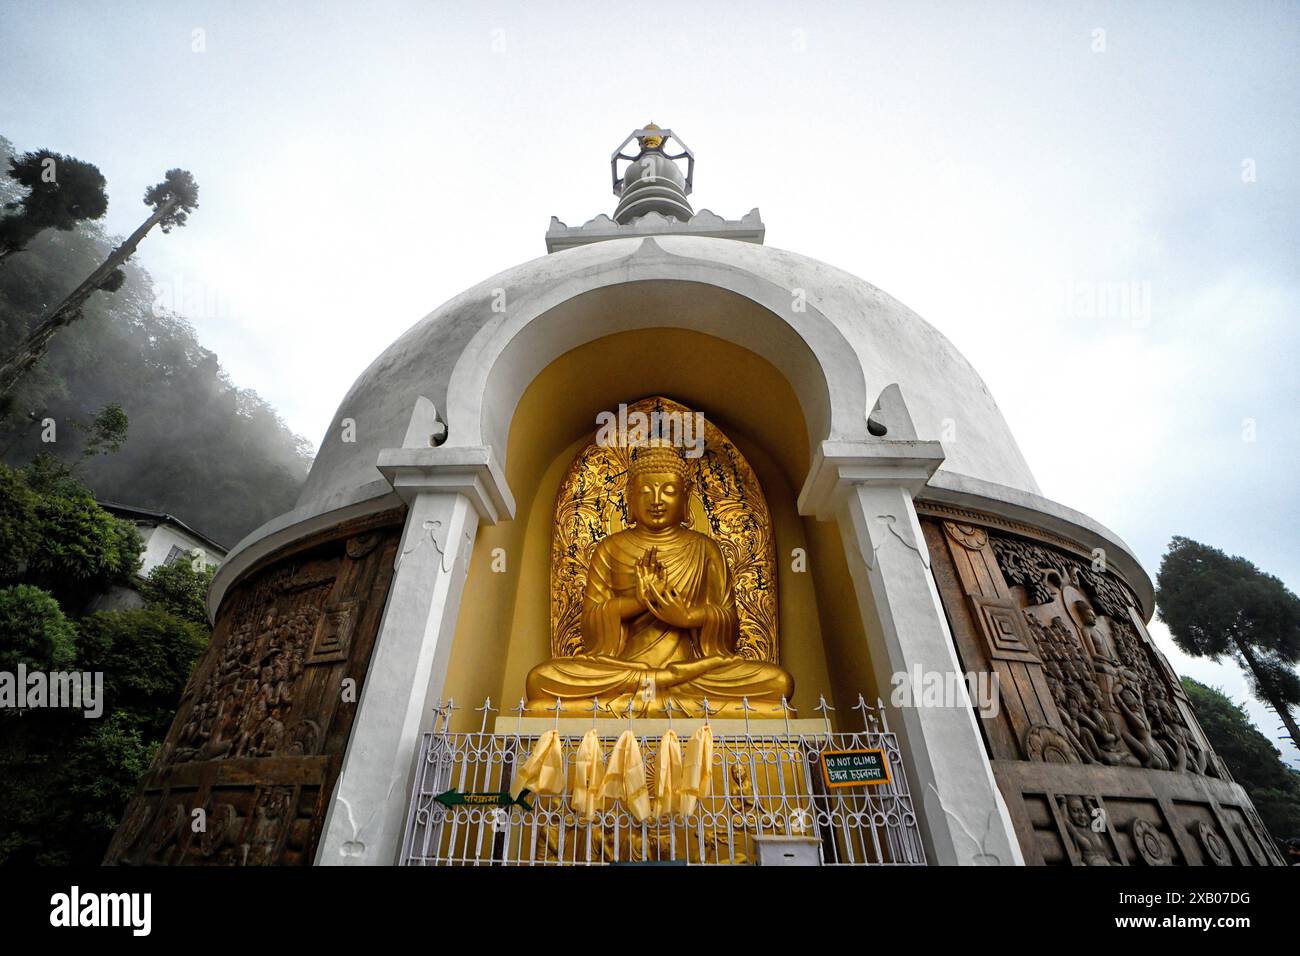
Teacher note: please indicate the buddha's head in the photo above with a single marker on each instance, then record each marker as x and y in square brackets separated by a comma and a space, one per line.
[658, 487]
[1086, 613]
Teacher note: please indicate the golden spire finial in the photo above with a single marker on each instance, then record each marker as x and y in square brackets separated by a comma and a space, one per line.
[651, 142]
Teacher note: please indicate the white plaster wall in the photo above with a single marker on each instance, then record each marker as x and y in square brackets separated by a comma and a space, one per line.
[161, 538]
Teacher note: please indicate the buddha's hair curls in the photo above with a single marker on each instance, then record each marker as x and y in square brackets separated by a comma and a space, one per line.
[658, 458]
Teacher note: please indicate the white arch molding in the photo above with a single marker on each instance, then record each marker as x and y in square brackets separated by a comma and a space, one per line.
[512, 348]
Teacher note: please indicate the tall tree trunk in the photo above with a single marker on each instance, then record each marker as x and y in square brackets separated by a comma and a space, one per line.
[32, 348]
[1280, 706]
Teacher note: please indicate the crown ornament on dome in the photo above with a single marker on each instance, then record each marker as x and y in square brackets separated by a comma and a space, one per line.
[653, 180]
[651, 140]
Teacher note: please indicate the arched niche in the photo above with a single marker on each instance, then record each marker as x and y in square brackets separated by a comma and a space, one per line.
[503, 627]
[807, 349]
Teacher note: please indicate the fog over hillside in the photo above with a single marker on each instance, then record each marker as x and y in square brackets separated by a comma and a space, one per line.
[217, 456]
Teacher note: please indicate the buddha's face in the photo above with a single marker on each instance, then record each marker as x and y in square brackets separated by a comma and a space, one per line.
[657, 499]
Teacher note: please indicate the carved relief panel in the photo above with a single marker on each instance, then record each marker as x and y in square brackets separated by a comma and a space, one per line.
[1094, 743]
[245, 772]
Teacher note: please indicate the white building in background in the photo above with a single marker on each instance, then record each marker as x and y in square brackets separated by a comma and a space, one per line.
[167, 540]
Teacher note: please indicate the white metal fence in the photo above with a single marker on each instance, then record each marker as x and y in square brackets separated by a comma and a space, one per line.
[766, 782]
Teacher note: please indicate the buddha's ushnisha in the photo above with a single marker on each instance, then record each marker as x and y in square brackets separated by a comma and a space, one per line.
[659, 613]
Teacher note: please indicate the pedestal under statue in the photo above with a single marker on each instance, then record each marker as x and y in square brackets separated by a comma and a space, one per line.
[659, 617]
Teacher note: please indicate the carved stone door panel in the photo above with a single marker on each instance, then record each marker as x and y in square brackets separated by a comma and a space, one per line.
[1094, 743]
[245, 773]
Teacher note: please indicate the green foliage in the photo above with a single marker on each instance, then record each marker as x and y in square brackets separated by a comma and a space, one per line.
[33, 752]
[146, 656]
[178, 185]
[78, 549]
[1255, 763]
[1215, 605]
[34, 631]
[65, 780]
[61, 192]
[179, 589]
[100, 777]
[17, 522]
[106, 432]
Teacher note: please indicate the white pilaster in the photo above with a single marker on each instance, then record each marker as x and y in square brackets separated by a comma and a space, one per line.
[867, 487]
[448, 491]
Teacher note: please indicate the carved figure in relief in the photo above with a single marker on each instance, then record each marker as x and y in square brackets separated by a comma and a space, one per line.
[1137, 731]
[1189, 756]
[258, 713]
[1110, 744]
[168, 833]
[269, 818]
[1093, 742]
[1105, 661]
[1081, 739]
[1092, 845]
[1114, 705]
[1078, 699]
[241, 709]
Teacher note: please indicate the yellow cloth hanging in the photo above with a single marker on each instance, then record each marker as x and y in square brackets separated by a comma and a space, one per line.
[668, 776]
[625, 777]
[588, 776]
[697, 769]
[543, 771]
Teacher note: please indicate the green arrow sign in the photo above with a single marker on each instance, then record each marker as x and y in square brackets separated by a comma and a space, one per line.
[502, 798]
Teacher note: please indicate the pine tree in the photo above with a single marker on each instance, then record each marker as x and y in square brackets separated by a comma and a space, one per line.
[172, 200]
[1216, 605]
[61, 192]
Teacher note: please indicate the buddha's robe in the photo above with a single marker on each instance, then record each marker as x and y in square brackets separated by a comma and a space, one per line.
[644, 655]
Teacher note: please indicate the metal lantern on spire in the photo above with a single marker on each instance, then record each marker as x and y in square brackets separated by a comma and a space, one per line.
[653, 180]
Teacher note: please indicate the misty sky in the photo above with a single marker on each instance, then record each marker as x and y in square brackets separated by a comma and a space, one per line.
[994, 166]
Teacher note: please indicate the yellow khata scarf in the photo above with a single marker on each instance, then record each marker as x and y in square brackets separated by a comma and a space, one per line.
[588, 776]
[543, 772]
[697, 770]
[625, 777]
[668, 776]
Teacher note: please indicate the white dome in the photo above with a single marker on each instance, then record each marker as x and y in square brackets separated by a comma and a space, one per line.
[839, 340]
[890, 343]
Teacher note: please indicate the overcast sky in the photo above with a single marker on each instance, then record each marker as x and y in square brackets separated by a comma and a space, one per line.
[997, 167]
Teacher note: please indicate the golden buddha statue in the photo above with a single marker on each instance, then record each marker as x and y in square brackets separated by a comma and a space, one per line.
[658, 616]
